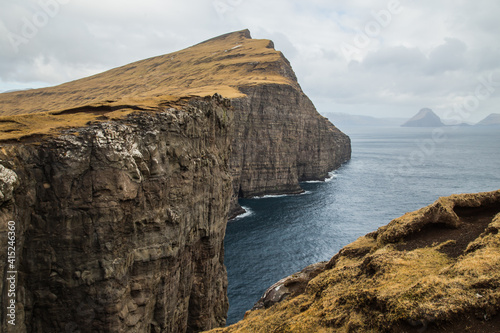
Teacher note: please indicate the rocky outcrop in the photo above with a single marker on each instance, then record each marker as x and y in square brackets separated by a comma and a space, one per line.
[434, 270]
[120, 224]
[424, 118]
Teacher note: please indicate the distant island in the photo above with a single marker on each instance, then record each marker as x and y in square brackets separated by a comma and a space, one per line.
[427, 118]
[492, 120]
[424, 118]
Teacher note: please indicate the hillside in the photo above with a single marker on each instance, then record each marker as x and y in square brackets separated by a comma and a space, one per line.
[435, 270]
[424, 118]
[220, 65]
[280, 138]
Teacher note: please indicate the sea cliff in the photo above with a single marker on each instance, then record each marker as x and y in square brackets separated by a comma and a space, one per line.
[120, 184]
[120, 225]
[280, 139]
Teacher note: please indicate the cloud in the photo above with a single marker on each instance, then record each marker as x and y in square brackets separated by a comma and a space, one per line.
[431, 53]
[447, 57]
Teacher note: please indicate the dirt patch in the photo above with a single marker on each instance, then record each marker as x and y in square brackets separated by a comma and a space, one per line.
[473, 222]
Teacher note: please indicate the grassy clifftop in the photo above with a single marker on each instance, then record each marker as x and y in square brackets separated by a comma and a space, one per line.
[436, 269]
[220, 65]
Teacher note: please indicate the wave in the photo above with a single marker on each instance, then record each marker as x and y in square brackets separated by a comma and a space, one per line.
[248, 212]
[267, 196]
[331, 176]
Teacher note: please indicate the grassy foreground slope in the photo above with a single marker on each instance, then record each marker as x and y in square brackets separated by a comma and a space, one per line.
[434, 270]
[220, 65]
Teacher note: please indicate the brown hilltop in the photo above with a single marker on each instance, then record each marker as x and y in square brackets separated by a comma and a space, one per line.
[280, 138]
[220, 65]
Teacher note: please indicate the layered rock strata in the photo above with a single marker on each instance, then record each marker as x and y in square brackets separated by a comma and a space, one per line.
[120, 224]
[433, 270]
[120, 183]
[280, 139]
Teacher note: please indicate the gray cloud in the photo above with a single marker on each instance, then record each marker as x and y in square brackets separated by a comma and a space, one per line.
[449, 56]
[429, 54]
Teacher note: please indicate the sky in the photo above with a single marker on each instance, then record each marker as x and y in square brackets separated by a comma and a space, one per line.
[386, 58]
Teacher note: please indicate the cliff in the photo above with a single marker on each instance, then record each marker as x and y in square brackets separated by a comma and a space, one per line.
[280, 139]
[120, 184]
[120, 225]
[434, 270]
[424, 118]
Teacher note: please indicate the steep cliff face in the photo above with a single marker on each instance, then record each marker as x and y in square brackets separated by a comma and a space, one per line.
[280, 139]
[120, 224]
[434, 270]
[120, 219]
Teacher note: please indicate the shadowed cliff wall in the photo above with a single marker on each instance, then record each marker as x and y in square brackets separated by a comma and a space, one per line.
[120, 225]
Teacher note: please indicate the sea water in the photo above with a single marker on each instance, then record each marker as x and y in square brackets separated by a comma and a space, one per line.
[392, 171]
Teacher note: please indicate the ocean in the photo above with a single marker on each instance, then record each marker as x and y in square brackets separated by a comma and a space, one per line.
[392, 171]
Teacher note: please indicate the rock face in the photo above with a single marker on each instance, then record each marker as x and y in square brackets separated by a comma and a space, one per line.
[120, 225]
[121, 184]
[424, 118]
[492, 120]
[280, 140]
[436, 269]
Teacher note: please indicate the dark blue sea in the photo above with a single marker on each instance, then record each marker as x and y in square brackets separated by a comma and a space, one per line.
[392, 171]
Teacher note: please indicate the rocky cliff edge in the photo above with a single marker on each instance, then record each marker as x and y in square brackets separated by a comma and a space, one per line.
[119, 184]
[118, 226]
[279, 137]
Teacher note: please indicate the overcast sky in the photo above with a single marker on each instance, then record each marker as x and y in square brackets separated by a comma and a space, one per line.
[379, 58]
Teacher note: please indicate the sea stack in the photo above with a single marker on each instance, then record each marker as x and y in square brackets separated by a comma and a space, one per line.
[424, 118]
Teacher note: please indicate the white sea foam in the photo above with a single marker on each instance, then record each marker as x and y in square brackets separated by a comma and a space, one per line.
[280, 195]
[331, 176]
[248, 212]
[271, 196]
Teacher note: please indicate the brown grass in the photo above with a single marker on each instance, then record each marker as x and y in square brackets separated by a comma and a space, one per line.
[220, 65]
[42, 124]
[372, 286]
